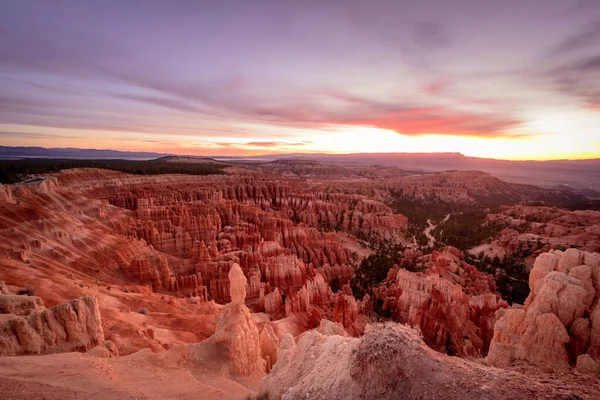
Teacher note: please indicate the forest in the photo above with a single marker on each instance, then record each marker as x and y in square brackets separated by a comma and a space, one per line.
[14, 171]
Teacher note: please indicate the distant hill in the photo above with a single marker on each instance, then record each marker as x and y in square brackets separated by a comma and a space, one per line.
[188, 160]
[578, 174]
[582, 175]
[13, 153]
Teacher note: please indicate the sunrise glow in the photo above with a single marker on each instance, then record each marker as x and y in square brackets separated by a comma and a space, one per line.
[523, 88]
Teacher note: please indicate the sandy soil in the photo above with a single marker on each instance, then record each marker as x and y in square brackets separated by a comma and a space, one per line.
[185, 372]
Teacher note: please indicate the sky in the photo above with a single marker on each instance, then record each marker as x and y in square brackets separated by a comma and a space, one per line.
[509, 79]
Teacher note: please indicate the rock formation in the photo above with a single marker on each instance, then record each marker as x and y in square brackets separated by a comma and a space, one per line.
[20, 305]
[269, 343]
[535, 228]
[389, 362]
[73, 326]
[560, 321]
[474, 187]
[237, 334]
[452, 303]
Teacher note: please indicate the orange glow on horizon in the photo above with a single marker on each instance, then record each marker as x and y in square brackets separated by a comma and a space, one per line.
[333, 139]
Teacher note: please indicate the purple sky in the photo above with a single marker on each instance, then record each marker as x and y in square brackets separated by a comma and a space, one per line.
[507, 79]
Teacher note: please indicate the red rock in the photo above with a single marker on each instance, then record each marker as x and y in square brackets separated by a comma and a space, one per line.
[20, 305]
[73, 326]
[553, 329]
[455, 311]
[236, 332]
[273, 302]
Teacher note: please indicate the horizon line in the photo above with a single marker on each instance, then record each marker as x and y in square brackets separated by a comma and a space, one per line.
[300, 154]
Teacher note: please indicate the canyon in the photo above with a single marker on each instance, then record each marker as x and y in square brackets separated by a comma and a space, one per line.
[236, 284]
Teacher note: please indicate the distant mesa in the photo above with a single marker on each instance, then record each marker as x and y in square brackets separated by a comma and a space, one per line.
[576, 174]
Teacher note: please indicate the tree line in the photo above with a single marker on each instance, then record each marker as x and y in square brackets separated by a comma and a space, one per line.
[13, 171]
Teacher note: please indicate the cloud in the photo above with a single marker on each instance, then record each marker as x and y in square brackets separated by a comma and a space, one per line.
[172, 104]
[579, 79]
[405, 120]
[349, 110]
[19, 103]
[278, 144]
[589, 37]
[436, 87]
[260, 144]
[424, 121]
[575, 65]
[162, 142]
[594, 107]
[582, 6]
[429, 35]
[589, 64]
[226, 95]
[33, 135]
[307, 111]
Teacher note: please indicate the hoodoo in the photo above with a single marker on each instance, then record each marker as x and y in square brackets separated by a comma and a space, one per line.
[560, 322]
[236, 332]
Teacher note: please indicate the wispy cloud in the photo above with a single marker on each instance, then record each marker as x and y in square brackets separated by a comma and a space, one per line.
[172, 104]
[581, 6]
[33, 135]
[406, 120]
[588, 38]
[278, 144]
[430, 35]
[579, 79]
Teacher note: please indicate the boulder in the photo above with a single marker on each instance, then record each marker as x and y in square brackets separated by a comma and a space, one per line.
[587, 365]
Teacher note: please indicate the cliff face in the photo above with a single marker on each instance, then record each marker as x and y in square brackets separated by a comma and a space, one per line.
[560, 322]
[73, 326]
[452, 303]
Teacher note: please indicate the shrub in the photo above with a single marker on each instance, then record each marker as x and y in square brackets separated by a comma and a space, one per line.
[510, 274]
